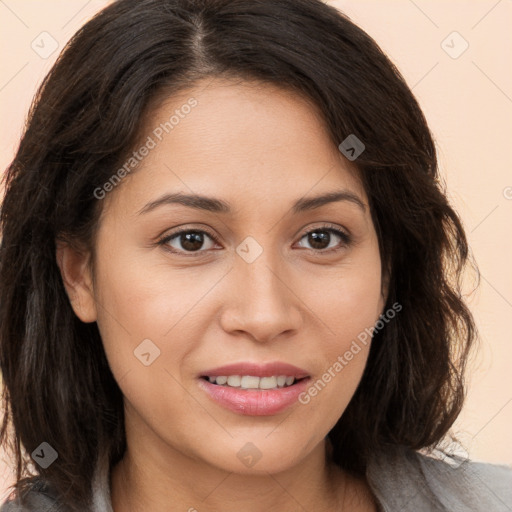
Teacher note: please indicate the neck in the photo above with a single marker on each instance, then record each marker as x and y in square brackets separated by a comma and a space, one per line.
[191, 485]
[315, 484]
[155, 476]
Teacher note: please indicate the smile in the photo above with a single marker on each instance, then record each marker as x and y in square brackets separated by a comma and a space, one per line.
[254, 389]
[252, 382]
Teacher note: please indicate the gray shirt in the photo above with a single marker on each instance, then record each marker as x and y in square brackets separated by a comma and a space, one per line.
[402, 480]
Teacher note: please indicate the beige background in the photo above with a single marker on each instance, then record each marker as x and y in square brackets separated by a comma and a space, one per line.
[467, 99]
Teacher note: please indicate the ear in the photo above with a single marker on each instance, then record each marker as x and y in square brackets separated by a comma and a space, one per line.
[77, 279]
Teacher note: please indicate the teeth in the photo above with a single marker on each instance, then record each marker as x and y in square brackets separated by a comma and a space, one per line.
[249, 382]
[234, 381]
[268, 382]
[253, 382]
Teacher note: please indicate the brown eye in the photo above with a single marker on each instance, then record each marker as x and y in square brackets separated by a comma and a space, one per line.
[188, 241]
[325, 239]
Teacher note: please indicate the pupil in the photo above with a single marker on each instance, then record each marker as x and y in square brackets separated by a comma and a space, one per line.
[192, 241]
[316, 239]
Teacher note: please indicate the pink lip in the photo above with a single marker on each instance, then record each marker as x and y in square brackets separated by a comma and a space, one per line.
[257, 370]
[255, 402]
[252, 402]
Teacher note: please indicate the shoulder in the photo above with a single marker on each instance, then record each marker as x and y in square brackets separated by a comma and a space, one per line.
[404, 479]
[40, 497]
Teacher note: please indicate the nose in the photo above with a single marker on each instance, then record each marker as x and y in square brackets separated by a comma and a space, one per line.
[261, 303]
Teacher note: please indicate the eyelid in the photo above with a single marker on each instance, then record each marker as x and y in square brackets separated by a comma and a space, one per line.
[163, 240]
[340, 232]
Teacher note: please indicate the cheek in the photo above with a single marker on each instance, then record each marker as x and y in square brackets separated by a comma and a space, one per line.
[344, 358]
[348, 305]
[347, 299]
[146, 307]
[146, 331]
[134, 307]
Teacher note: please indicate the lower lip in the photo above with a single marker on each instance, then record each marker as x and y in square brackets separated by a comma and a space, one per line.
[254, 402]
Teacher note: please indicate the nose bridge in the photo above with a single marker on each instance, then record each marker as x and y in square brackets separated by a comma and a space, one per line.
[261, 278]
[265, 305]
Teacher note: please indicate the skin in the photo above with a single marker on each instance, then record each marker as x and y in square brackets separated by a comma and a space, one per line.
[259, 148]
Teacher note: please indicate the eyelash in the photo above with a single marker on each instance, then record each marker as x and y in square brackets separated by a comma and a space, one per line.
[345, 237]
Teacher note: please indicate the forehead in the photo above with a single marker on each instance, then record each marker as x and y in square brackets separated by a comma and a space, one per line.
[230, 138]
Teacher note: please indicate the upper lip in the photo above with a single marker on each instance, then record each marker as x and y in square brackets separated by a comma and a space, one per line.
[257, 370]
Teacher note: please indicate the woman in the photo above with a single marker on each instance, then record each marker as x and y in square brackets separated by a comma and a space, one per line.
[230, 275]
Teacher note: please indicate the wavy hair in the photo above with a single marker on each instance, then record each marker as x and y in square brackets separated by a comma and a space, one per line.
[84, 120]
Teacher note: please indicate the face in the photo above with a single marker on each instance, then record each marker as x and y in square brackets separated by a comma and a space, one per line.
[256, 276]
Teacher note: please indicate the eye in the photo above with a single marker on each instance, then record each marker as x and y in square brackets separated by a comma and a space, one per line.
[188, 240]
[322, 238]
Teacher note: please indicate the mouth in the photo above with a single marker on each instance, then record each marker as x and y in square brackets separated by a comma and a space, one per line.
[255, 389]
[253, 382]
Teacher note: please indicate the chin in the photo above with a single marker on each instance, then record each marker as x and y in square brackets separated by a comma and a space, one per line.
[260, 455]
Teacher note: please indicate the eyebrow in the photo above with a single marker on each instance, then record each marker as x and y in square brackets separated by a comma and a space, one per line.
[215, 205]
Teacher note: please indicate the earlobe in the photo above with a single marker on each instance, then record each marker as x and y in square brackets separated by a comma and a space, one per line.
[77, 280]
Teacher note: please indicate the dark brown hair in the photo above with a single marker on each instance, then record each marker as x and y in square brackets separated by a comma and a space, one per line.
[85, 119]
